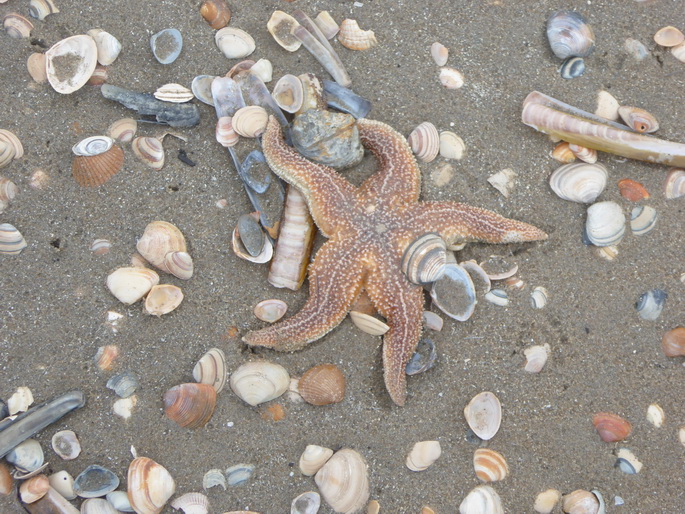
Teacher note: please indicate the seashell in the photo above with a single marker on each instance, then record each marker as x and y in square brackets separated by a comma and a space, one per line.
[425, 259]
[130, 284]
[443, 174]
[95, 481]
[306, 503]
[11, 240]
[149, 486]
[239, 249]
[12, 147]
[225, 134]
[69, 63]
[216, 13]
[638, 119]
[41, 9]
[313, 458]
[179, 264]
[439, 53]
[538, 297]
[66, 444]
[354, 38]
[584, 154]
[124, 406]
[250, 121]
[546, 501]
[6, 480]
[94, 170]
[490, 466]
[327, 25]
[150, 151]
[605, 223]
[656, 415]
[212, 478]
[650, 304]
[259, 381]
[451, 78]
[289, 93]
[92, 146]
[159, 239]
[572, 68]
[190, 405]
[642, 219]
[34, 488]
[124, 384]
[423, 358]
[481, 500]
[99, 76]
[515, 283]
[454, 293]
[536, 357]
[484, 415]
[174, 93]
[123, 130]
[17, 26]
[263, 69]
[322, 385]
[6, 153]
[192, 503]
[281, 26]
[201, 86]
[211, 369]
[425, 141]
[580, 502]
[569, 35]
[328, 138]
[97, 506]
[674, 184]
[632, 190]
[270, 310]
[63, 483]
[669, 36]
[678, 52]
[239, 474]
[166, 45]
[607, 106]
[39, 179]
[423, 455]
[451, 145]
[251, 234]
[636, 49]
[20, 401]
[479, 277]
[36, 65]
[627, 462]
[498, 267]
[497, 297]
[108, 46]
[432, 321]
[26, 456]
[673, 342]
[234, 43]
[105, 356]
[369, 324]
[343, 481]
[162, 299]
[504, 181]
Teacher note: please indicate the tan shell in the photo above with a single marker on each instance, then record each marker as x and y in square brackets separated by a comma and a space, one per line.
[423, 455]
[70, 63]
[490, 466]
[40, 9]
[322, 385]
[638, 119]
[9, 138]
[174, 93]
[108, 46]
[250, 121]
[63, 483]
[451, 145]
[313, 93]
[673, 342]
[289, 93]
[234, 43]
[34, 488]
[327, 25]
[270, 310]
[211, 369]
[607, 106]
[354, 38]
[66, 444]
[678, 52]
[99, 76]
[451, 78]
[580, 502]
[179, 264]
[159, 239]
[481, 500]
[123, 130]
[95, 170]
[425, 141]
[150, 151]
[11, 240]
[8, 190]
[669, 36]
[239, 249]
[484, 415]
[224, 133]
[588, 155]
[263, 69]
[313, 458]
[6, 480]
[149, 486]
[504, 181]
[536, 357]
[106, 356]
[36, 66]
[369, 324]
[6, 153]
[259, 381]
[20, 401]
[191, 503]
[546, 501]
[162, 299]
[281, 26]
[17, 26]
[674, 183]
[190, 405]
[130, 284]
[343, 481]
[216, 13]
[439, 53]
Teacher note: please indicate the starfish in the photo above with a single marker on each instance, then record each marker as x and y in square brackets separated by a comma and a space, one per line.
[368, 229]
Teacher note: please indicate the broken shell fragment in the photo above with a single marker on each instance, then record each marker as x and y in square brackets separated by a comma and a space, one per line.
[580, 502]
[11, 240]
[327, 25]
[673, 342]
[322, 385]
[328, 138]
[504, 181]
[270, 310]
[588, 155]
[642, 219]
[354, 38]
[546, 501]
[108, 46]
[288, 93]
[306, 503]
[668, 36]
[190, 405]
[638, 119]
[439, 53]
[66, 444]
[368, 323]
[234, 43]
[606, 223]
[250, 121]
[580, 182]
[481, 500]
[423, 359]
[281, 26]
[313, 458]
[34, 488]
[632, 190]
[123, 384]
[216, 13]
[499, 267]
[174, 93]
[20, 401]
[569, 35]
[36, 67]
[130, 284]
[17, 26]
[627, 462]
[425, 141]
[149, 486]
[166, 45]
[211, 369]
[650, 304]
[538, 297]
[656, 415]
[150, 151]
[259, 381]
[162, 299]
[432, 321]
[212, 478]
[191, 503]
[484, 415]
[490, 466]
[423, 455]
[343, 481]
[106, 356]
[70, 63]
[497, 297]
[123, 130]
[536, 357]
[95, 481]
[425, 260]
[674, 184]
[451, 145]
[159, 239]
[41, 9]
[607, 106]
[454, 293]
[451, 78]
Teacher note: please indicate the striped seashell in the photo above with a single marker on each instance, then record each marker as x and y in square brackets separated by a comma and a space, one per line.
[650, 304]
[191, 503]
[150, 151]
[91, 146]
[369, 324]
[354, 38]
[10, 139]
[674, 184]
[322, 385]
[234, 43]
[481, 500]
[281, 26]
[490, 466]
[95, 170]
[327, 25]
[588, 155]
[538, 297]
[605, 223]
[108, 46]
[149, 485]
[250, 121]
[569, 35]
[174, 93]
[497, 297]
[423, 455]
[289, 93]
[425, 259]
[17, 26]
[158, 240]
[579, 182]
[123, 130]
[68, 75]
[572, 68]
[425, 141]
[36, 67]
[162, 299]
[41, 9]
[581, 502]
[313, 458]
[638, 119]
[451, 145]
[6, 153]
[484, 415]
[190, 405]
[439, 53]
[344, 481]
[271, 310]
[8, 190]
[216, 13]
[211, 369]
[669, 36]
[179, 264]
[642, 219]
[225, 134]
[632, 190]
[451, 78]
[99, 76]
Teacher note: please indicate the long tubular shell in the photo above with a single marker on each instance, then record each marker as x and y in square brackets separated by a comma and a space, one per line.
[314, 46]
[566, 122]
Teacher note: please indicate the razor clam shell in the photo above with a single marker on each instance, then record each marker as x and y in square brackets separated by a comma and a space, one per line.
[579, 182]
[345, 100]
[211, 369]
[606, 223]
[327, 25]
[166, 45]
[569, 35]
[330, 61]
[642, 219]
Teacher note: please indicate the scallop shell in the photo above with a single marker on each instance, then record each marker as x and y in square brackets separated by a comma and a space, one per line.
[546, 501]
[650, 304]
[451, 78]
[34, 488]
[423, 455]
[70, 63]
[642, 219]
[588, 155]
[212, 478]
[632, 190]
[191, 503]
[454, 293]
[216, 13]
[130, 284]
[259, 381]
[26, 456]
[673, 342]
[327, 25]
[211, 369]
[536, 357]
[63, 483]
[150, 151]
[439, 53]
[11, 240]
[159, 239]
[481, 500]
[162, 299]
[580, 502]
[425, 141]
[538, 297]
[123, 130]
[149, 486]
[490, 466]
[424, 261]
[281, 26]
[174, 93]
[569, 35]
[66, 444]
[36, 66]
[605, 223]
[674, 184]
[354, 38]
[322, 385]
[270, 310]
[166, 45]
[179, 264]
[313, 458]
[572, 68]
[190, 405]
[41, 9]
[656, 415]
[108, 46]
[368, 323]
[234, 43]
[343, 481]
[638, 119]
[484, 415]
[17, 26]
[580, 182]
[225, 134]
[669, 36]
[250, 121]
[288, 93]
[201, 86]
[95, 170]
[306, 503]
[451, 145]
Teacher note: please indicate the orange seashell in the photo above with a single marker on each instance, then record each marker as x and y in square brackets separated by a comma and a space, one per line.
[190, 405]
[216, 13]
[490, 466]
[322, 385]
[673, 342]
[34, 488]
[105, 356]
[611, 427]
[6, 480]
[563, 153]
[632, 190]
[95, 170]
[274, 412]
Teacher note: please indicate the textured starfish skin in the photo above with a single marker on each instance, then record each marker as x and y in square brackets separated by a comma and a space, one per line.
[369, 229]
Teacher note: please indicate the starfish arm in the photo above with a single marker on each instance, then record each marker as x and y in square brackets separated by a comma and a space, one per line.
[398, 174]
[326, 191]
[459, 223]
[335, 281]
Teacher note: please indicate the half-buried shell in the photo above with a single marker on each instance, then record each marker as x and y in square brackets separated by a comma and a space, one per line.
[353, 37]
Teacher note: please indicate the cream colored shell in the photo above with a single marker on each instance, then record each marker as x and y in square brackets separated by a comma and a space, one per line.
[259, 381]
[354, 38]
[234, 43]
[484, 415]
[343, 481]
[313, 458]
[423, 455]
[130, 284]
[149, 486]
[162, 299]
[159, 239]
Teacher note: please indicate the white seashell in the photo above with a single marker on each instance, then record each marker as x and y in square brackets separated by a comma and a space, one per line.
[423, 455]
[369, 324]
[281, 26]
[259, 381]
[678, 52]
[642, 219]
[179, 264]
[354, 38]
[162, 299]
[655, 415]
[480, 278]
[17, 26]
[288, 93]
[306, 503]
[70, 63]
[343, 481]
[538, 297]
[327, 25]
[212, 478]
[669, 36]
[579, 182]
[108, 46]
[628, 462]
[263, 69]
[26, 456]
[130, 284]
[11, 240]
[91, 146]
[536, 357]
[234, 43]
[546, 501]
[588, 155]
[451, 145]
[191, 503]
[201, 86]
[497, 297]
[451, 78]
[20, 401]
[123, 130]
[607, 106]
[250, 121]
[650, 304]
[313, 458]
[439, 53]
[432, 321]
[41, 9]
[481, 500]
[484, 415]
[270, 310]
[239, 474]
[674, 184]
[159, 239]
[569, 35]
[124, 406]
[489, 465]
[504, 181]
[66, 444]
[97, 506]
[63, 483]
[605, 223]
[174, 93]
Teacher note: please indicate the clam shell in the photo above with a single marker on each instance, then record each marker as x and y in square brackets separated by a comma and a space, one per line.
[20, 401]
[313, 93]
[234, 43]
[536, 357]
[270, 310]
[150, 151]
[538, 297]
[95, 481]
[36, 67]
[281, 26]
[123, 130]
[162, 299]
[546, 501]
[481, 500]
[63, 483]
[451, 145]
[484, 415]
[605, 223]
[190, 405]
[569, 35]
[454, 293]
[322, 385]
[327, 25]
[580, 502]
[201, 86]
[159, 239]
[490, 466]
[211, 369]
[572, 68]
[225, 134]
[636, 49]
[239, 474]
[497, 297]
[8, 190]
[9, 138]
[288, 93]
[166, 45]
[368, 323]
[70, 63]
[343, 481]
[66, 444]
[106, 356]
[250, 121]
[451, 78]
[439, 53]
[425, 141]
[423, 358]
[179, 264]
[34, 488]
[632, 190]
[123, 384]
[99, 76]
[95, 170]
[650, 304]
[423, 455]
[638, 119]
[251, 234]
[108, 46]
[313, 458]
[673, 342]
[174, 93]
[588, 155]
[17, 26]
[669, 36]
[149, 486]
[263, 69]
[306, 503]
[11, 240]
[580, 182]
[97, 506]
[432, 321]
[216, 13]
[6, 480]
[607, 106]
[239, 249]
[674, 184]
[656, 415]
[678, 52]
[129, 285]
[26, 456]
[259, 381]
[642, 219]
[425, 260]
[119, 500]
[191, 503]
[41, 9]
[627, 462]
[92, 146]
[212, 478]
[354, 38]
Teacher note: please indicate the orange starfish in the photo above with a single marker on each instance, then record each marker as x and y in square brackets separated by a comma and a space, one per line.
[369, 228]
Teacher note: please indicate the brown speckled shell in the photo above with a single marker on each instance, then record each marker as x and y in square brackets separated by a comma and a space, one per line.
[322, 385]
[190, 405]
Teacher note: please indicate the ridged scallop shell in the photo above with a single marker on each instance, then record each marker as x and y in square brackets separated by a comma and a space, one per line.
[638, 119]
[454, 293]
[150, 151]
[191, 503]
[368, 323]
[424, 261]
[451, 145]
[632, 190]
[158, 239]
[669, 36]
[354, 38]
[234, 43]
[343, 481]
[225, 134]
[66, 444]
[605, 223]
[439, 53]
[123, 130]
[36, 67]
[423, 455]
[650, 304]
[34, 489]
[95, 170]
[190, 405]
[17, 26]
[484, 415]
[130, 284]
[673, 342]
[322, 385]
[674, 184]
[281, 26]
[569, 35]
[289, 93]
[11, 240]
[451, 78]
[643, 219]
[490, 466]
[162, 299]
[580, 502]
[546, 501]
[270, 310]
[313, 458]
[149, 486]
[327, 25]
[588, 155]
[40, 9]
[536, 357]
[425, 141]
[579, 182]
[259, 381]
[179, 264]
[481, 500]
[211, 369]
[216, 13]
[108, 46]
[250, 121]
[174, 93]
[70, 63]
[166, 45]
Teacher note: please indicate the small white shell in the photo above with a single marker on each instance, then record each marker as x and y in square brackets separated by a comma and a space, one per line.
[119, 500]
[20, 401]
[607, 106]
[504, 181]
[482, 500]
[212, 478]
[369, 324]
[538, 297]
[432, 321]
[270, 310]
[655, 415]
[451, 145]
[605, 223]
[439, 53]
[191, 503]
[263, 69]
[313, 458]
[497, 297]
[451, 78]
[306, 503]
[26, 456]
[343, 481]
[484, 415]
[108, 46]
[579, 182]
[123, 407]
[66, 444]
[174, 93]
[642, 219]
[354, 38]
[259, 381]
[63, 483]
[91, 146]
[289, 93]
[234, 43]
[628, 462]
[536, 357]
[130, 284]
[423, 455]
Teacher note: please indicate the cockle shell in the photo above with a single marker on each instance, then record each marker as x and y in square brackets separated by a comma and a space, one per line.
[190, 405]
[481, 500]
[96, 161]
[354, 38]
[343, 481]
[588, 155]
[250, 121]
[166, 45]
[159, 239]
[11, 240]
[322, 385]
[288, 93]
[643, 219]
[423, 455]
[451, 78]
[638, 119]
[70, 63]
[281, 26]
[546, 501]
[632, 190]
[34, 488]
[66, 444]
[673, 342]
[327, 25]
[41, 9]
[313, 458]
[270, 310]
[130, 284]
[123, 130]
[36, 67]
[580, 182]
[451, 145]
[674, 183]
[259, 381]
[211, 369]
[149, 486]
[425, 141]
[605, 223]
[368, 323]
[569, 35]
[490, 466]
[424, 260]
[484, 415]
[216, 13]
[17, 26]
[191, 503]
[580, 502]
[162, 299]
[669, 36]
[234, 43]
[174, 93]
[536, 357]
[179, 264]
[108, 46]
[439, 53]
[150, 151]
